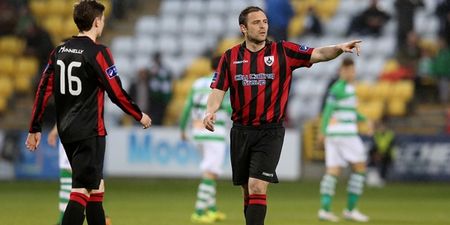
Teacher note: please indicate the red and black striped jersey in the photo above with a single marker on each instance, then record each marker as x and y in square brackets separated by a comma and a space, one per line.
[78, 73]
[260, 82]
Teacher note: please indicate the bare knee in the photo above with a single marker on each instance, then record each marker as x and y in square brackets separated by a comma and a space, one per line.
[256, 186]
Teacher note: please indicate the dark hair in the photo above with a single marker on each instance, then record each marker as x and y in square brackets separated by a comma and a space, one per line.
[244, 14]
[85, 12]
[347, 62]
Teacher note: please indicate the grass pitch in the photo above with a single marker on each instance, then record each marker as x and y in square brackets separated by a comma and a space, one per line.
[170, 202]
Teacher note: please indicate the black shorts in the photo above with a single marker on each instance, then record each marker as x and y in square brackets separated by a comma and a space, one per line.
[255, 152]
[86, 159]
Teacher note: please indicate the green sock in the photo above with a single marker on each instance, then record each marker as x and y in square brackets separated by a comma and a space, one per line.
[327, 189]
[355, 189]
[65, 187]
[212, 197]
[205, 188]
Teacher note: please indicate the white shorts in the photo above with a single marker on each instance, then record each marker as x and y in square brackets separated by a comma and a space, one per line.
[213, 156]
[63, 161]
[341, 150]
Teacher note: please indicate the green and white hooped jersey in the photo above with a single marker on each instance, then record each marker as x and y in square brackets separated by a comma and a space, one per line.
[340, 115]
[195, 108]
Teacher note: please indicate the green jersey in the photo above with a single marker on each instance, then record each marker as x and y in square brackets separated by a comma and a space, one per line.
[340, 117]
[195, 108]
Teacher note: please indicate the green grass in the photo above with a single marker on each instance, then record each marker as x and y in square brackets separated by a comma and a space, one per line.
[170, 202]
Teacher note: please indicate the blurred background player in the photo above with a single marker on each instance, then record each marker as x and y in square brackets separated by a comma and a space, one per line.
[65, 175]
[339, 130]
[213, 146]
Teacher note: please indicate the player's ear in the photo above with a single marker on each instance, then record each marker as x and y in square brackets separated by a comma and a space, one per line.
[243, 28]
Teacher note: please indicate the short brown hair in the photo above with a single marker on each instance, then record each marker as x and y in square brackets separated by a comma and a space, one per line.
[244, 14]
[85, 12]
[347, 62]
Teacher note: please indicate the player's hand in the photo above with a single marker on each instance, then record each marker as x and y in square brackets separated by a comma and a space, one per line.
[349, 46]
[209, 120]
[52, 137]
[146, 121]
[33, 140]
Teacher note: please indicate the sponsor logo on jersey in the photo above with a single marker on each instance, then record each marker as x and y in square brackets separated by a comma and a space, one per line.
[111, 71]
[268, 60]
[70, 50]
[240, 61]
[303, 48]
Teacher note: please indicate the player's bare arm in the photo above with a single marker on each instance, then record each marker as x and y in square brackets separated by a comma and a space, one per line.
[33, 141]
[214, 101]
[327, 53]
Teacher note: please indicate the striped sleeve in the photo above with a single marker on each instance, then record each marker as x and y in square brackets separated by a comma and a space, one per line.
[297, 55]
[220, 78]
[43, 94]
[110, 80]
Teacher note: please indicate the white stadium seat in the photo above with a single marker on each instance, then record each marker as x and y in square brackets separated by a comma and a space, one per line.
[147, 25]
[122, 45]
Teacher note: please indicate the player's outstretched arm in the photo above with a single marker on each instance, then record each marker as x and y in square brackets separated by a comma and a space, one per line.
[327, 53]
[33, 141]
[146, 121]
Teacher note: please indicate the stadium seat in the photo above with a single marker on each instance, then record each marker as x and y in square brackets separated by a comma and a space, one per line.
[38, 8]
[236, 6]
[6, 87]
[326, 9]
[296, 26]
[396, 107]
[27, 66]
[168, 44]
[57, 8]
[22, 84]
[226, 44]
[196, 7]
[122, 45]
[70, 28]
[381, 90]
[216, 7]
[124, 66]
[300, 7]
[171, 7]
[55, 26]
[190, 44]
[199, 67]
[363, 91]
[373, 110]
[147, 25]
[11, 45]
[213, 24]
[169, 24]
[3, 104]
[144, 45]
[403, 90]
[191, 24]
[7, 65]
[337, 26]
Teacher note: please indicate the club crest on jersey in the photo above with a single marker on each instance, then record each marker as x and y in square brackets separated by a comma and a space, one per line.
[268, 60]
[111, 71]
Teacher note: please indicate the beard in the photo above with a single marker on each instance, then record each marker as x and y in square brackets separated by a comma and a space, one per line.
[256, 40]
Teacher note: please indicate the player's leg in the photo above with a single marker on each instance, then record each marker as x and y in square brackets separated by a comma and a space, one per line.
[214, 155]
[65, 181]
[333, 163]
[265, 155]
[356, 155]
[74, 213]
[95, 214]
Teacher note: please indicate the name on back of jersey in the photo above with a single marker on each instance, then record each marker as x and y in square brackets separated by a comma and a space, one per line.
[63, 49]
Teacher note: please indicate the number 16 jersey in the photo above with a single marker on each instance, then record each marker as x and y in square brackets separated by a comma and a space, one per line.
[78, 73]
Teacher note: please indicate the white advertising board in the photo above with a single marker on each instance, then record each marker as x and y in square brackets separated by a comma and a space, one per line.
[159, 152]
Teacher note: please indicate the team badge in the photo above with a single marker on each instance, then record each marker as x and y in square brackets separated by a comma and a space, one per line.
[268, 60]
[214, 78]
[111, 71]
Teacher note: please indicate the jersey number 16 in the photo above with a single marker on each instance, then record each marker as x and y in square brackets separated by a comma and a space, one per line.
[73, 89]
